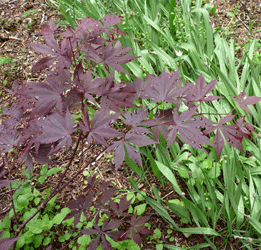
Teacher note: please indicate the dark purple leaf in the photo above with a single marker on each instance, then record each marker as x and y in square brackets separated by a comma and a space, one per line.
[198, 92]
[47, 31]
[131, 137]
[100, 128]
[135, 119]
[8, 138]
[44, 63]
[115, 56]
[6, 243]
[135, 226]
[105, 229]
[56, 128]
[188, 127]
[165, 87]
[4, 183]
[43, 49]
[246, 101]
[79, 206]
[46, 95]
[232, 133]
[121, 207]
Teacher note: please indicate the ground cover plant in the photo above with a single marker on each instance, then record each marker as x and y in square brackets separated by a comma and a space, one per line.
[76, 67]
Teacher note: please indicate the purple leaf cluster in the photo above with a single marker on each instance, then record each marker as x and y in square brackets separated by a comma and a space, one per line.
[39, 121]
[98, 194]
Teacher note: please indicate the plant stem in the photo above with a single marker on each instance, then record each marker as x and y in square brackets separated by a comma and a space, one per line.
[171, 18]
[15, 215]
[70, 162]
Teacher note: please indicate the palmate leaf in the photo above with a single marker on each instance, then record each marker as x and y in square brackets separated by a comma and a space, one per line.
[165, 87]
[4, 183]
[111, 20]
[118, 97]
[51, 48]
[106, 194]
[250, 100]
[134, 154]
[47, 31]
[188, 128]
[79, 206]
[135, 228]
[106, 229]
[115, 55]
[48, 95]
[100, 128]
[135, 119]
[199, 91]
[56, 128]
[233, 134]
[121, 207]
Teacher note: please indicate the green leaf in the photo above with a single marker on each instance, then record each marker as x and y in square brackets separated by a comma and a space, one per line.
[35, 228]
[54, 170]
[169, 175]
[154, 166]
[59, 218]
[4, 60]
[67, 236]
[140, 209]
[20, 242]
[140, 197]
[157, 234]
[37, 200]
[38, 240]
[200, 230]
[27, 173]
[159, 247]
[52, 201]
[44, 169]
[172, 247]
[206, 164]
[22, 201]
[5, 223]
[179, 210]
[61, 238]
[36, 192]
[256, 224]
[28, 12]
[131, 196]
[41, 179]
[84, 240]
[46, 241]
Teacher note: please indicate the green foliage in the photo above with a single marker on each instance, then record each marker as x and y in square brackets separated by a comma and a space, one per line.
[46, 225]
[4, 60]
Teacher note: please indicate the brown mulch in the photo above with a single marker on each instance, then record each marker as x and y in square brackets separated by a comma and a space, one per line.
[243, 15]
[17, 31]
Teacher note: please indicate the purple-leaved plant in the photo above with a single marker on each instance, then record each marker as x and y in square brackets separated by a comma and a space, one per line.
[39, 122]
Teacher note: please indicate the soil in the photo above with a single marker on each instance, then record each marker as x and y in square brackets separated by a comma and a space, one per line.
[17, 30]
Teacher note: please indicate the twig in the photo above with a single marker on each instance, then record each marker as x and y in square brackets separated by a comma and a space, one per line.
[7, 210]
[15, 38]
[167, 194]
[243, 23]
